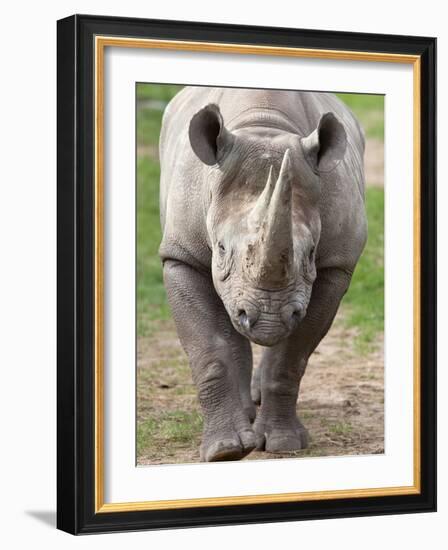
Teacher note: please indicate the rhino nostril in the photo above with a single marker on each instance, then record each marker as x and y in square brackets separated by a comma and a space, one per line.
[297, 316]
[243, 319]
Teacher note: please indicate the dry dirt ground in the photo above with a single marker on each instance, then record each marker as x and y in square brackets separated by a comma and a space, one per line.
[341, 400]
[374, 162]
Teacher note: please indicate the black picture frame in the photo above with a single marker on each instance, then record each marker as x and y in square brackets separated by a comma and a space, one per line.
[76, 272]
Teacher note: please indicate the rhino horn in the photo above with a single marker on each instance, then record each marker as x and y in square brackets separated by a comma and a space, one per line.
[260, 209]
[274, 252]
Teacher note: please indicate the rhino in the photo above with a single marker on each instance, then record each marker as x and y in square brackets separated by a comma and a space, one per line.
[263, 221]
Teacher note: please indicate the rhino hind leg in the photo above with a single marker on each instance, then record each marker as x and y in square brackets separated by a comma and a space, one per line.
[277, 427]
[255, 386]
[220, 360]
[242, 363]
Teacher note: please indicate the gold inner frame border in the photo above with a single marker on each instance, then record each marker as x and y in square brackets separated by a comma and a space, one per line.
[101, 42]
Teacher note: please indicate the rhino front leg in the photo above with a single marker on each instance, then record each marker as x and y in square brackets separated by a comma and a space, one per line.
[277, 427]
[220, 359]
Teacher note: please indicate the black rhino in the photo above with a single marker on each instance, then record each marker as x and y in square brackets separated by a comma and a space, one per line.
[263, 217]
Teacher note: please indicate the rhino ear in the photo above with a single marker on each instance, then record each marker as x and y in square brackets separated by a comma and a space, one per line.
[325, 147]
[209, 138]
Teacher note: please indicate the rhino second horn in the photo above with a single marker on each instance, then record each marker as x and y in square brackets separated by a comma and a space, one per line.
[274, 252]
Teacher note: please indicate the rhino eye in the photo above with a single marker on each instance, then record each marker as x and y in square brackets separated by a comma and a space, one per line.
[221, 247]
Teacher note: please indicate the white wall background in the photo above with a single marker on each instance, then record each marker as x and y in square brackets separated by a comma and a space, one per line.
[28, 268]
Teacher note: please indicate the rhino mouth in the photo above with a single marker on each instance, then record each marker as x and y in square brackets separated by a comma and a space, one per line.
[266, 328]
[266, 332]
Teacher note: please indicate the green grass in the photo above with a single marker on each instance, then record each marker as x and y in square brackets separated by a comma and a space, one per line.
[151, 295]
[149, 116]
[159, 92]
[341, 428]
[172, 429]
[369, 109]
[363, 303]
[148, 127]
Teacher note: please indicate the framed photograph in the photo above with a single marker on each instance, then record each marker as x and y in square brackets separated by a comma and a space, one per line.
[246, 274]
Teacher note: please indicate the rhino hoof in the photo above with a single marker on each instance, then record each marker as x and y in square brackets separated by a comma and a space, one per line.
[282, 441]
[233, 448]
[282, 444]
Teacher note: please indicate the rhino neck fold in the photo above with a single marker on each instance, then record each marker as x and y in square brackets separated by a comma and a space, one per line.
[265, 117]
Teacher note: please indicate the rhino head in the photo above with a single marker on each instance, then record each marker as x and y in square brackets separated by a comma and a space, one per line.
[263, 221]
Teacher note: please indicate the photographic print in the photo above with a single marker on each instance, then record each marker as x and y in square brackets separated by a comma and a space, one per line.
[260, 274]
[246, 274]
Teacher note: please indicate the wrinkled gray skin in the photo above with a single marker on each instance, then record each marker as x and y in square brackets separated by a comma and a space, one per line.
[262, 210]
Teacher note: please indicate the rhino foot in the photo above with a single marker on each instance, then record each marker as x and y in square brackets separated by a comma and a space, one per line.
[227, 446]
[227, 436]
[281, 439]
